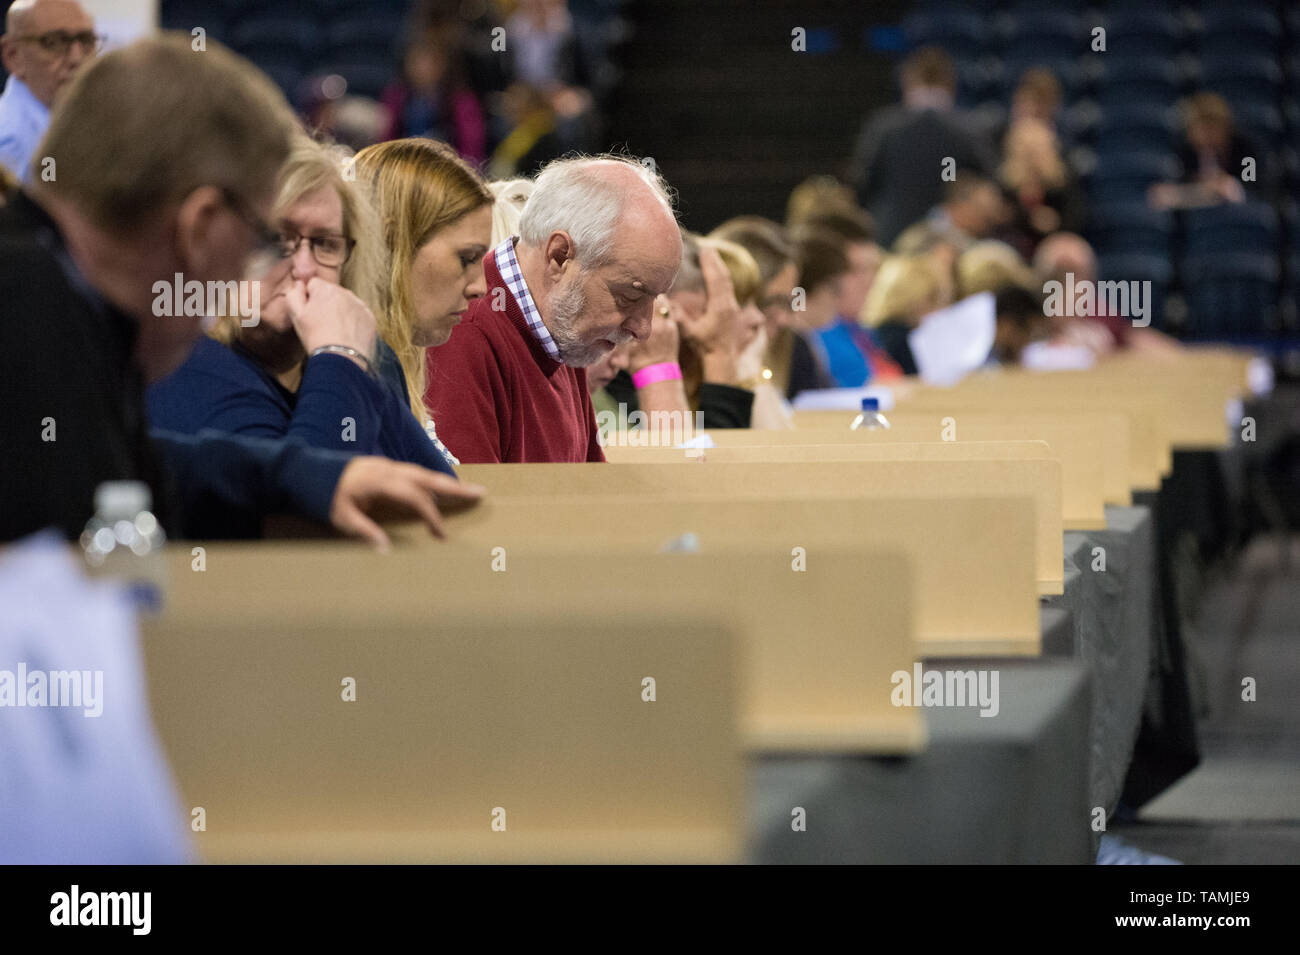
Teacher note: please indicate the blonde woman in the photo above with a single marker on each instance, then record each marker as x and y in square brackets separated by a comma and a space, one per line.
[308, 364]
[511, 194]
[437, 216]
[906, 289]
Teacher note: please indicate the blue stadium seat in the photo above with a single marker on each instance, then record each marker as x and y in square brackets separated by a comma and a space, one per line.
[1135, 79]
[369, 39]
[1137, 127]
[1045, 33]
[1261, 122]
[277, 38]
[1230, 296]
[1125, 176]
[1240, 28]
[185, 15]
[963, 33]
[1130, 227]
[286, 75]
[1248, 78]
[1140, 267]
[1232, 227]
[1143, 33]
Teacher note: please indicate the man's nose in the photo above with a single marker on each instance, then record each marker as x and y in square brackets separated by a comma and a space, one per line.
[76, 55]
[638, 323]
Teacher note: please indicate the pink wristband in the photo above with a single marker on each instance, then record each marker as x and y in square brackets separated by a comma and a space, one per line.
[664, 371]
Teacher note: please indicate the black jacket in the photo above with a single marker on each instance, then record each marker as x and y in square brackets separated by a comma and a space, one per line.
[74, 413]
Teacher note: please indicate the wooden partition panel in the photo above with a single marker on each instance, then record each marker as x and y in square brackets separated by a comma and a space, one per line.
[462, 717]
[1082, 502]
[1083, 441]
[1039, 480]
[972, 557]
[1150, 457]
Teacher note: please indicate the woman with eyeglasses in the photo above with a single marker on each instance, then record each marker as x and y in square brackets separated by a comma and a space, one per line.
[309, 365]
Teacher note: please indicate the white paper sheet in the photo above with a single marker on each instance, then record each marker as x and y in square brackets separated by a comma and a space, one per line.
[951, 343]
[75, 787]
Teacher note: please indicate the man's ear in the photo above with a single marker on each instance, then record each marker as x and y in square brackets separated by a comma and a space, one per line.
[559, 252]
[198, 221]
[9, 56]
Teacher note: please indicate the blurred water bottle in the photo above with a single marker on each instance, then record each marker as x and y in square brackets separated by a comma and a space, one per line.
[124, 540]
[871, 419]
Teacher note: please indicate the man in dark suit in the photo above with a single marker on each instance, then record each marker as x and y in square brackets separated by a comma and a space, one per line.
[164, 162]
[900, 153]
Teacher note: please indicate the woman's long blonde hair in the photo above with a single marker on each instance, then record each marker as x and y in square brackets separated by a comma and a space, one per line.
[311, 166]
[419, 186]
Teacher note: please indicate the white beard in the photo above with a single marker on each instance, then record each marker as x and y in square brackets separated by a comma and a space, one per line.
[567, 306]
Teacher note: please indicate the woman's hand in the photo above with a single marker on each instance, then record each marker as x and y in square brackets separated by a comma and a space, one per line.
[327, 314]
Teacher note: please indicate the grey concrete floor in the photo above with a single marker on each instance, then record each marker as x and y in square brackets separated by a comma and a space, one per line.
[1242, 804]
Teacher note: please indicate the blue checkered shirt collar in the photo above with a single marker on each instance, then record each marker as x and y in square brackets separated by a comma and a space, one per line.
[508, 266]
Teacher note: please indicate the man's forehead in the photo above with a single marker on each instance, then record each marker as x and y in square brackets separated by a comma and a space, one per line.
[57, 14]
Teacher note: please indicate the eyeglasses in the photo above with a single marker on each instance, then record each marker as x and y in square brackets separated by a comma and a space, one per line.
[330, 250]
[58, 43]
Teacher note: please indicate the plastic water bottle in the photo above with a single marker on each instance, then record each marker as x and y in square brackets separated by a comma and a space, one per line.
[124, 540]
[870, 419]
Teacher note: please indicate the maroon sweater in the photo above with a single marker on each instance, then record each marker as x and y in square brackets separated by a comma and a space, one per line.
[495, 395]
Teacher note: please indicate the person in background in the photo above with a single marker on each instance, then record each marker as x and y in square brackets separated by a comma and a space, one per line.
[971, 210]
[820, 195]
[770, 247]
[167, 164]
[852, 355]
[1037, 97]
[598, 242]
[532, 140]
[901, 149]
[432, 99]
[907, 289]
[437, 216]
[1020, 320]
[712, 319]
[1041, 191]
[824, 270]
[991, 266]
[305, 367]
[545, 57]
[44, 45]
[511, 197]
[1064, 254]
[1210, 158]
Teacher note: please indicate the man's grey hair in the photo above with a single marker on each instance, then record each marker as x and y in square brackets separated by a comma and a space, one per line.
[571, 195]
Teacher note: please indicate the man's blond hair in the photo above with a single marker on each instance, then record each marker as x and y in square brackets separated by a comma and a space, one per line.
[144, 126]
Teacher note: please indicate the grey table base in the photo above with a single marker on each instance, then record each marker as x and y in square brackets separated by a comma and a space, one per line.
[1013, 788]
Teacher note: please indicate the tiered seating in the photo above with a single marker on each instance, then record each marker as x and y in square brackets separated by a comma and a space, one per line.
[1119, 124]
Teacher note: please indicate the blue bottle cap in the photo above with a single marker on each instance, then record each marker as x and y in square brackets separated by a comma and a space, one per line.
[870, 404]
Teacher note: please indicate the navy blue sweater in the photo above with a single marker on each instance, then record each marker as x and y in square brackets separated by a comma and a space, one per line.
[337, 407]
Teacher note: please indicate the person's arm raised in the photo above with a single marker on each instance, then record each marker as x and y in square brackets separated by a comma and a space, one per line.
[714, 333]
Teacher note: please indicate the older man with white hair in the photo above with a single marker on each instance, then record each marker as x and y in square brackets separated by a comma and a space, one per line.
[44, 44]
[598, 241]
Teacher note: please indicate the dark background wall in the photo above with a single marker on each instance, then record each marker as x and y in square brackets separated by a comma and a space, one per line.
[732, 116]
